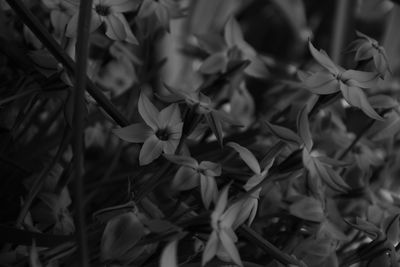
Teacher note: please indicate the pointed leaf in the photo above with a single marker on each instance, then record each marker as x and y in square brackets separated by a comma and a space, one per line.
[215, 126]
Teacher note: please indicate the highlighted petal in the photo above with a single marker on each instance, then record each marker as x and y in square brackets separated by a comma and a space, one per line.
[322, 58]
[185, 178]
[322, 83]
[151, 149]
[211, 248]
[230, 247]
[215, 63]
[135, 133]
[356, 97]
[130, 38]
[122, 5]
[114, 28]
[169, 116]
[148, 112]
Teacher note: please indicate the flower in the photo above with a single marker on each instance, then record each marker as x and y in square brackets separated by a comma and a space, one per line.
[231, 47]
[249, 205]
[367, 48]
[163, 9]
[334, 78]
[222, 239]
[160, 133]
[60, 14]
[202, 105]
[108, 12]
[191, 174]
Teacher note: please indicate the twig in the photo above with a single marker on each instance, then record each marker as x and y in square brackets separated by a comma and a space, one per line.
[82, 54]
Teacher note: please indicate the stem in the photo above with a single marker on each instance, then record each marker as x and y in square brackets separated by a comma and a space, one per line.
[29, 19]
[82, 54]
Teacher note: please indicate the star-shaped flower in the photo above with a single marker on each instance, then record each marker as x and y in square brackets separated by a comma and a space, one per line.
[160, 133]
[192, 174]
[248, 206]
[231, 47]
[60, 14]
[367, 48]
[334, 78]
[108, 12]
[222, 239]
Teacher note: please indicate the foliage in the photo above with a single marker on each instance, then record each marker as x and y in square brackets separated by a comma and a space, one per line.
[212, 133]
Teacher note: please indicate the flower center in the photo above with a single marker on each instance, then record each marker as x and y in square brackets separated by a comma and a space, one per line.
[162, 134]
[102, 10]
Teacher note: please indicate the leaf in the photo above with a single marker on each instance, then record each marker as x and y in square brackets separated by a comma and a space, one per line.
[303, 128]
[356, 97]
[169, 255]
[322, 58]
[284, 134]
[308, 208]
[246, 156]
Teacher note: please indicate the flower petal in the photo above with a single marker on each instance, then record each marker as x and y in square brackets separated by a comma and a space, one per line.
[257, 68]
[122, 5]
[151, 150]
[356, 97]
[361, 79]
[72, 26]
[322, 58]
[130, 38]
[147, 8]
[210, 168]
[322, 83]
[233, 33]
[185, 178]
[215, 63]
[114, 28]
[183, 160]
[169, 116]
[170, 146]
[148, 112]
[247, 157]
[163, 17]
[135, 133]
[364, 51]
[208, 188]
[230, 247]
[211, 248]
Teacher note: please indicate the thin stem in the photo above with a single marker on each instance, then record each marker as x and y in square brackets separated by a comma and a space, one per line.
[82, 54]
